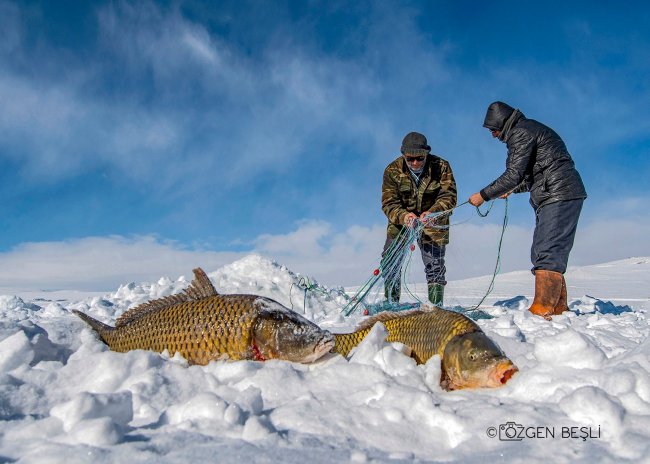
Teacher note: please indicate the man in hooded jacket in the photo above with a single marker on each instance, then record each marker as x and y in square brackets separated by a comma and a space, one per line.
[538, 162]
[415, 185]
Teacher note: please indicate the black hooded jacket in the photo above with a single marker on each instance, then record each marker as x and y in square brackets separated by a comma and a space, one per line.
[538, 160]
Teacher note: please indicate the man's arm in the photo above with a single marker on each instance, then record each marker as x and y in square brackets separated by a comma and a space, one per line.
[390, 201]
[520, 149]
[521, 188]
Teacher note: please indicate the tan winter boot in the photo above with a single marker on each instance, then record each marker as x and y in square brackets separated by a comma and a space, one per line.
[548, 289]
[562, 305]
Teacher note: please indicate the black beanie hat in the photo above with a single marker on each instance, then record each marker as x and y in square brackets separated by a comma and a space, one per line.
[415, 143]
[496, 116]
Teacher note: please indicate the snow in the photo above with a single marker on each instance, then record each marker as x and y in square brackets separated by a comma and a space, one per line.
[582, 392]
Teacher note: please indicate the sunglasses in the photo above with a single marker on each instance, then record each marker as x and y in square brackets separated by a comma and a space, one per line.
[413, 159]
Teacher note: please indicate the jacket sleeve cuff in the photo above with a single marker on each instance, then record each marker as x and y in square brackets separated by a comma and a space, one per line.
[484, 195]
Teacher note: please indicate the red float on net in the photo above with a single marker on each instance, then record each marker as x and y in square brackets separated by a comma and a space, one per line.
[412, 247]
[376, 272]
[365, 312]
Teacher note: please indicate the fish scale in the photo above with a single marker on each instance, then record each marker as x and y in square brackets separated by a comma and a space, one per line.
[425, 332]
[191, 329]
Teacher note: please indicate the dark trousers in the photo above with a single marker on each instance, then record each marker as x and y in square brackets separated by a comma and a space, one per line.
[555, 230]
[433, 257]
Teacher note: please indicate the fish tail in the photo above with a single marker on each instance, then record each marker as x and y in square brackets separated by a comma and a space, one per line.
[102, 329]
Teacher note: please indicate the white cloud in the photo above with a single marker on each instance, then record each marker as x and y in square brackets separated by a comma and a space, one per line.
[199, 43]
[332, 257]
[101, 263]
[474, 249]
[304, 241]
[314, 248]
[57, 132]
[609, 239]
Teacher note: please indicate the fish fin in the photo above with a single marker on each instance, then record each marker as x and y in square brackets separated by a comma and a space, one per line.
[387, 316]
[199, 288]
[96, 325]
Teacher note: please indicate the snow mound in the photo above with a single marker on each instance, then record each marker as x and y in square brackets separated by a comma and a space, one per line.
[570, 349]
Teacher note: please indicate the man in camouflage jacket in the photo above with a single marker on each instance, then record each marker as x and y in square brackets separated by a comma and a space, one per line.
[416, 184]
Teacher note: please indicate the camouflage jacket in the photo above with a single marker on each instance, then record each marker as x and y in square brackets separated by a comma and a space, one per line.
[400, 195]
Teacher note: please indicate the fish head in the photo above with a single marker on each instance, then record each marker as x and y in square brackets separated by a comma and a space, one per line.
[472, 360]
[283, 334]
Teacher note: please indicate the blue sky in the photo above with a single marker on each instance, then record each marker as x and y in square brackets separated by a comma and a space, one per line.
[139, 139]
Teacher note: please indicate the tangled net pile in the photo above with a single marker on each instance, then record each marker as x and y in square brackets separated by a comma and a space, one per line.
[371, 298]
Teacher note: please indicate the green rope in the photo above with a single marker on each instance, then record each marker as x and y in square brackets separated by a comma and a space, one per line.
[478, 210]
[497, 266]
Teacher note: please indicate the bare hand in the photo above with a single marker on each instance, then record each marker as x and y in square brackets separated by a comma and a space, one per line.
[505, 195]
[409, 219]
[476, 199]
[428, 219]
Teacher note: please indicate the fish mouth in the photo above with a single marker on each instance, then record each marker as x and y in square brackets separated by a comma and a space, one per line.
[324, 345]
[493, 377]
[502, 372]
[507, 375]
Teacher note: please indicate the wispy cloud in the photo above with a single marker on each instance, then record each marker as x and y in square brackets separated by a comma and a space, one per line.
[188, 103]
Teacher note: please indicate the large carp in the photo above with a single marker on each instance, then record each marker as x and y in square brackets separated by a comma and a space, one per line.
[469, 358]
[203, 326]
